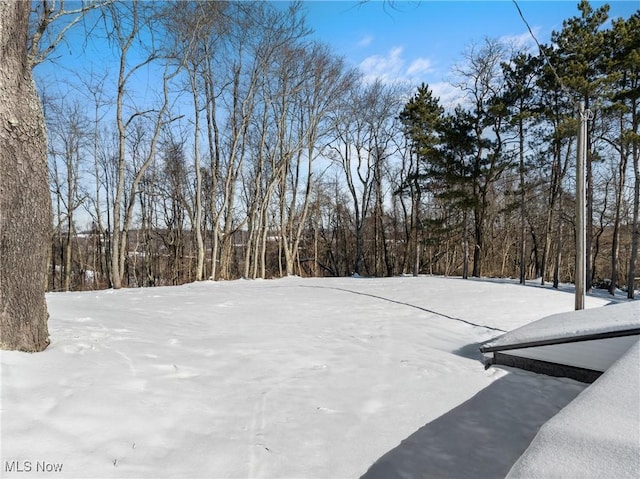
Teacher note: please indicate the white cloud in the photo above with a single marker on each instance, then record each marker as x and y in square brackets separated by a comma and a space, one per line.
[384, 67]
[393, 67]
[420, 66]
[522, 41]
[365, 41]
[449, 95]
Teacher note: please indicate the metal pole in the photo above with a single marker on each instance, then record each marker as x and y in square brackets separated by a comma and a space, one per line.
[581, 233]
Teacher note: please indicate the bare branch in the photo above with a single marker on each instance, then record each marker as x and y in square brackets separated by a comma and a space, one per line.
[49, 13]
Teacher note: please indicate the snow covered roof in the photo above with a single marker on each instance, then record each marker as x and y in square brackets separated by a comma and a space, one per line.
[596, 435]
[597, 323]
[580, 344]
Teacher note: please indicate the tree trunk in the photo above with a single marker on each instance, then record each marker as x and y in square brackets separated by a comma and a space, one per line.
[523, 208]
[415, 229]
[479, 239]
[25, 205]
[558, 243]
[635, 229]
[68, 252]
[465, 246]
[591, 249]
[615, 241]
[197, 226]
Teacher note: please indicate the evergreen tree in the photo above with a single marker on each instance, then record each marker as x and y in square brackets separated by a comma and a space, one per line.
[622, 67]
[580, 48]
[482, 82]
[421, 121]
[520, 80]
[455, 172]
[555, 135]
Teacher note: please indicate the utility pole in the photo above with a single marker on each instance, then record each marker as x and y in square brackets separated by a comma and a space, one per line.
[581, 232]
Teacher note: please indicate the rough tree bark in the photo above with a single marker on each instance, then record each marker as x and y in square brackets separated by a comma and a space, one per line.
[25, 206]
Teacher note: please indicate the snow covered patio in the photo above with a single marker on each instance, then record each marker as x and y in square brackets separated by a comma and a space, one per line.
[292, 378]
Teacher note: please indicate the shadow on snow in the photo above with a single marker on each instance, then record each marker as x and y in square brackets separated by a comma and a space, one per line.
[484, 436]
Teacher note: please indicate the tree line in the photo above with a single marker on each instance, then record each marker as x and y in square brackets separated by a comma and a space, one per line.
[225, 142]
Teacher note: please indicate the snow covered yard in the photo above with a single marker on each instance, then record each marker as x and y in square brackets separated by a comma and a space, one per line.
[291, 378]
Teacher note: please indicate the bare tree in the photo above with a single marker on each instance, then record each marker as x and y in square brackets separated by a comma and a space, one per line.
[68, 129]
[252, 41]
[250, 104]
[94, 86]
[49, 23]
[383, 105]
[25, 208]
[173, 205]
[359, 149]
[129, 22]
[310, 83]
[198, 29]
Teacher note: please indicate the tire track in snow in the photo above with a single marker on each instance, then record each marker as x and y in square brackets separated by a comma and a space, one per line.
[256, 438]
[402, 303]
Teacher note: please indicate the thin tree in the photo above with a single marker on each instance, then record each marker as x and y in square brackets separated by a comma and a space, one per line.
[421, 119]
[520, 76]
[197, 27]
[580, 46]
[129, 22]
[623, 70]
[67, 145]
[481, 80]
[94, 88]
[349, 152]
[319, 81]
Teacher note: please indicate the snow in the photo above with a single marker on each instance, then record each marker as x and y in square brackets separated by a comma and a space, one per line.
[597, 435]
[616, 317]
[291, 378]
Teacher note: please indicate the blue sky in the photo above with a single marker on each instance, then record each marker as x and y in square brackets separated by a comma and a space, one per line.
[410, 41]
[419, 41]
